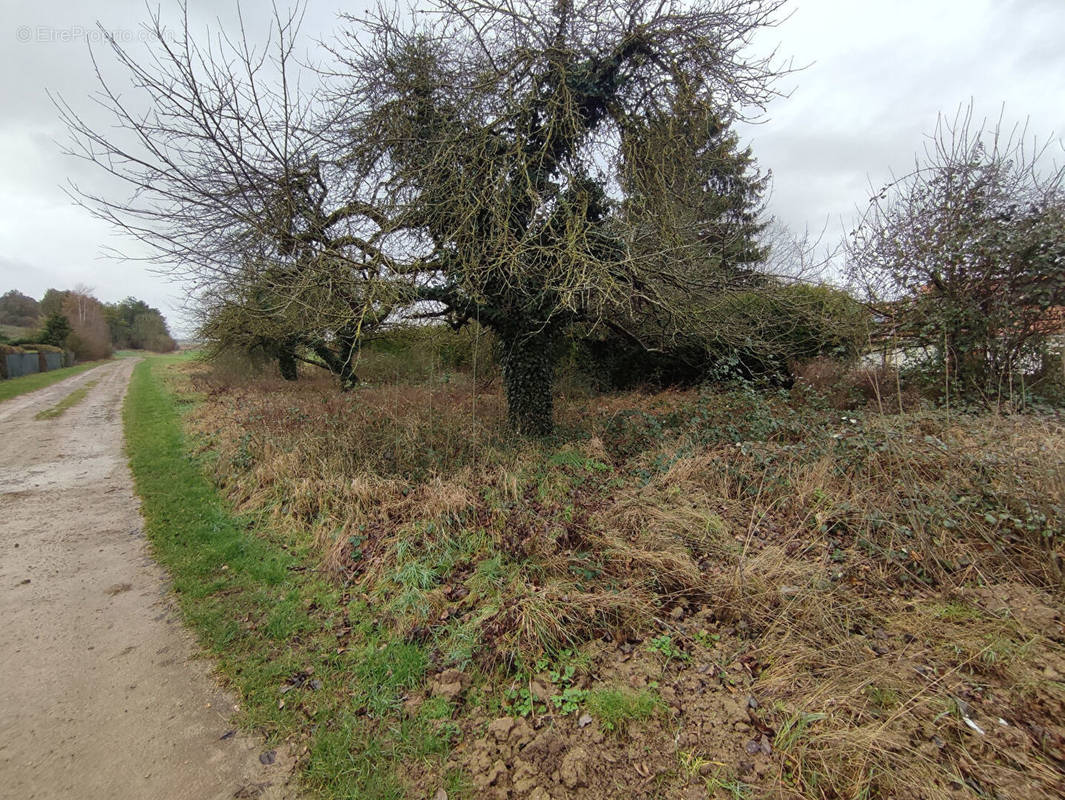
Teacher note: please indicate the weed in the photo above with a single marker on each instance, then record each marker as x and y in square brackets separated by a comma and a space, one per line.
[794, 728]
[665, 647]
[854, 567]
[616, 707]
[522, 702]
[692, 764]
[271, 623]
[731, 787]
[436, 708]
[569, 700]
[706, 639]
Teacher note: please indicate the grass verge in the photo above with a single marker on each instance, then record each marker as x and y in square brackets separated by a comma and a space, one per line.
[308, 661]
[13, 387]
[67, 402]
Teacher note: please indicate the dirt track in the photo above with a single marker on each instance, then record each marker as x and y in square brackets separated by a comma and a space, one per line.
[101, 693]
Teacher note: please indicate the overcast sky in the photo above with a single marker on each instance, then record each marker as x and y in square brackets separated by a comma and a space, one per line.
[879, 72]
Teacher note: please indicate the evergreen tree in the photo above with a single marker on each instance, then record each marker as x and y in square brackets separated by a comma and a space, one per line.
[56, 330]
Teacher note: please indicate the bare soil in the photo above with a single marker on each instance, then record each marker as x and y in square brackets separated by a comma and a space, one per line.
[103, 694]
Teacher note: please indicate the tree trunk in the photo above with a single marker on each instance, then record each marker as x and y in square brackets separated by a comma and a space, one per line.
[348, 379]
[343, 368]
[528, 365]
[286, 362]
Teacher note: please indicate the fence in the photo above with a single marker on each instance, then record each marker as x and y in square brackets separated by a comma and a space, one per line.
[18, 361]
[19, 364]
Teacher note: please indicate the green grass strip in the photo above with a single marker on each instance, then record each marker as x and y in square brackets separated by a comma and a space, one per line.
[69, 401]
[259, 607]
[13, 387]
[194, 536]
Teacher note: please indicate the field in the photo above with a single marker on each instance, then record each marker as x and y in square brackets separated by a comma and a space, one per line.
[725, 592]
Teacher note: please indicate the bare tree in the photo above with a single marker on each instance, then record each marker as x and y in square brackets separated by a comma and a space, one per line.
[219, 153]
[468, 162]
[967, 252]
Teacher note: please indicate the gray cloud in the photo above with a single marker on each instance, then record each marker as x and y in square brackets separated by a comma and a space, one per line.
[878, 75]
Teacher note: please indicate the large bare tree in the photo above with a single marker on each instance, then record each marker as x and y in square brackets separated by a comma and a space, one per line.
[469, 161]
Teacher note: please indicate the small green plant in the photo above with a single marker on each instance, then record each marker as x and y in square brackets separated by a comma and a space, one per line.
[732, 787]
[560, 673]
[883, 698]
[691, 763]
[458, 785]
[571, 458]
[570, 700]
[669, 650]
[706, 639]
[793, 729]
[521, 701]
[956, 612]
[242, 459]
[436, 708]
[491, 574]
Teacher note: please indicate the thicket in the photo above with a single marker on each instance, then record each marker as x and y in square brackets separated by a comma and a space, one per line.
[76, 321]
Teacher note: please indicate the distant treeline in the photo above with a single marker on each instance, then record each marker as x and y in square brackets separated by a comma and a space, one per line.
[75, 320]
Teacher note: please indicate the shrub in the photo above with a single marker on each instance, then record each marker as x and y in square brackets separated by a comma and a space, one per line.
[759, 333]
[419, 352]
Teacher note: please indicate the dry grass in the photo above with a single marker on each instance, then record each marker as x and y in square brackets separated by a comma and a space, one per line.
[887, 577]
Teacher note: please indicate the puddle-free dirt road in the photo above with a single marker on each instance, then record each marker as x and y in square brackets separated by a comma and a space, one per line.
[102, 696]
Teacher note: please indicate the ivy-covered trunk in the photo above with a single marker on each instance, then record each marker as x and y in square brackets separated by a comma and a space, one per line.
[528, 365]
[340, 364]
[286, 362]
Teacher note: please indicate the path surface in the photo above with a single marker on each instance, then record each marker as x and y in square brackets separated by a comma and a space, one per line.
[102, 696]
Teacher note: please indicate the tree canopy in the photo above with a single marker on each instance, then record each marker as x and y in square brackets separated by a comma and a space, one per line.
[18, 309]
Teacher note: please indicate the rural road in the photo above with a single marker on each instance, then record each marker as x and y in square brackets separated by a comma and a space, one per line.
[102, 696]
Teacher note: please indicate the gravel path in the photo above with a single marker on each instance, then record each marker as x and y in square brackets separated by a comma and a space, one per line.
[102, 694]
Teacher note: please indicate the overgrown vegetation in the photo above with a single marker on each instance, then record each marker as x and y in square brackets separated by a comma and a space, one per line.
[870, 580]
[305, 653]
[965, 259]
[528, 167]
[613, 502]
